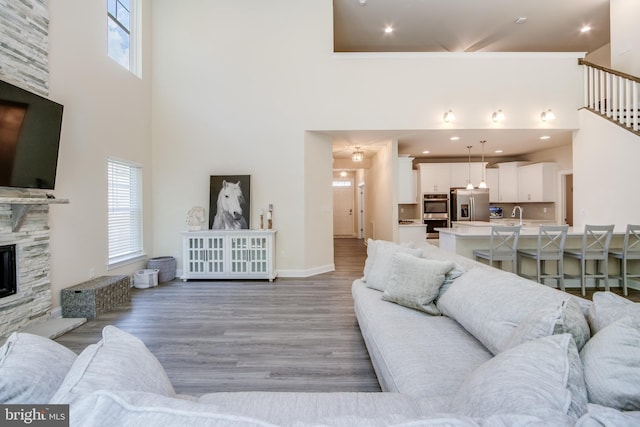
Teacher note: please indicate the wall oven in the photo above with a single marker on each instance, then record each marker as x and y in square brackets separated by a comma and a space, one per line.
[435, 213]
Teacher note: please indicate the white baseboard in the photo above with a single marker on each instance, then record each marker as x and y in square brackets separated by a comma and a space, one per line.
[307, 273]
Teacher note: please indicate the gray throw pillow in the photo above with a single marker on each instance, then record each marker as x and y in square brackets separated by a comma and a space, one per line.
[379, 269]
[612, 365]
[414, 282]
[541, 378]
[119, 361]
[608, 307]
[32, 368]
[552, 320]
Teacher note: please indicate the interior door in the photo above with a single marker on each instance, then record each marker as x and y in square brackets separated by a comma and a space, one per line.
[343, 213]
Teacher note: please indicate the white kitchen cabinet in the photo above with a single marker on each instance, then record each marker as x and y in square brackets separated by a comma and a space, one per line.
[536, 182]
[228, 254]
[406, 181]
[508, 182]
[459, 174]
[492, 177]
[434, 178]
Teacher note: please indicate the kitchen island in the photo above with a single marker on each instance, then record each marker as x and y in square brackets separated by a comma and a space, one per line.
[463, 239]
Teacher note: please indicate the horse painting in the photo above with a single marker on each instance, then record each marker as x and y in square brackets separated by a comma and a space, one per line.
[229, 208]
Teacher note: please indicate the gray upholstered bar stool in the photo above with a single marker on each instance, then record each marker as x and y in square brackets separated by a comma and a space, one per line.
[551, 240]
[630, 251]
[503, 245]
[595, 247]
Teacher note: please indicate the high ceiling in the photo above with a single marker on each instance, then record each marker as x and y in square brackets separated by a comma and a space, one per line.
[470, 25]
[465, 26]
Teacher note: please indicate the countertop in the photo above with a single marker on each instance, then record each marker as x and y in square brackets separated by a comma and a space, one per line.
[415, 223]
[483, 229]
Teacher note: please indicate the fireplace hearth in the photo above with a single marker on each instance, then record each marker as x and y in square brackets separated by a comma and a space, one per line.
[8, 284]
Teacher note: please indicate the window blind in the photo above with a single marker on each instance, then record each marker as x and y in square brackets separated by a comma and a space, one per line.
[125, 210]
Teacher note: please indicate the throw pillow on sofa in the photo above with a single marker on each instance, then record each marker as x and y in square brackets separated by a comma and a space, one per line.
[552, 319]
[119, 361]
[415, 282]
[611, 361]
[378, 269]
[542, 377]
[608, 307]
[32, 368]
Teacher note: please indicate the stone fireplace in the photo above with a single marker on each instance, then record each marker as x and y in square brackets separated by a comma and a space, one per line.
[24, 230]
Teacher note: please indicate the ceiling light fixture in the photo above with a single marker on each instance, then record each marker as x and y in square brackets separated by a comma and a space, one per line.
[388, 29]
[426, 152]
[547, 116]
[448, 116]
[499, 151]
[585, 29]
[362, 2]
[454, 138]
[497, 116]
[343, 173]
[357, 155]
[520, 20]
[545, 137]
[469, 183]
[483, 183]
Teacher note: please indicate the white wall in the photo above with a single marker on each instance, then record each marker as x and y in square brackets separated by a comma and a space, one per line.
[625, 37]
[605, 171]
[237, 84]
[107, 112]
[381, 195]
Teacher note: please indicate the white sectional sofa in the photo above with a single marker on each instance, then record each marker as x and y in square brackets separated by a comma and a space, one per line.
[479, 347]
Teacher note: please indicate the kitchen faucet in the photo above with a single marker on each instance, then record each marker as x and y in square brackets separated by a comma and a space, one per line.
[513, 213]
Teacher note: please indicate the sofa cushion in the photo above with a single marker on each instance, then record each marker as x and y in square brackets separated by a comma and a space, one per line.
[551, 320]
[490, 303]
[378, 268]
[32, 368]
[609, 307]
[415, 282]
[119, 361]
[541, 378]
[413, 353]
[601, 416]
[612, 365]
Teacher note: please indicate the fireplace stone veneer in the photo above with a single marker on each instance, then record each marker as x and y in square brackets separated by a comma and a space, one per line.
[32, 301]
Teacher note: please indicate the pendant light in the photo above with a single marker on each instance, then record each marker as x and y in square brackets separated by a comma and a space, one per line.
[357, 155]
[483, 183]
[469, 183]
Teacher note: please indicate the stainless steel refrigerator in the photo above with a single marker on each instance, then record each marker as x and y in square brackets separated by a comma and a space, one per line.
[470, 205]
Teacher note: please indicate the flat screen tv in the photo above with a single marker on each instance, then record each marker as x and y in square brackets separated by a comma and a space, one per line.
[29, 138]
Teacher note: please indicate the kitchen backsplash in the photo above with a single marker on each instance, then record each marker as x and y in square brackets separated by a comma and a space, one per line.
[409, 212]
[546, 211]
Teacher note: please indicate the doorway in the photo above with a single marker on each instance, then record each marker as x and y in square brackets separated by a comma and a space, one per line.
[566, 191]
[343, 205]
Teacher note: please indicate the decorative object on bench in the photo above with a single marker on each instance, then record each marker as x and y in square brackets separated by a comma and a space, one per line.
[97, 296]
[196, 218]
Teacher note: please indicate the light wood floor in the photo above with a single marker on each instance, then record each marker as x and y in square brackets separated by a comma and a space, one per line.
[292, 335]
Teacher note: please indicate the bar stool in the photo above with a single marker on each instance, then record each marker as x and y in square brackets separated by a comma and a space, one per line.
[551, 240]
[595, 247]
[503, 245]
[630, 251]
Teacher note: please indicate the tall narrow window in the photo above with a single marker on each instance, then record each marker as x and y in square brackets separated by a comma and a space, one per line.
[120, 32]
[125, 211]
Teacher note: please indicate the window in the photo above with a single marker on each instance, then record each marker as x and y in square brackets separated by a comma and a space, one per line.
[125, 211]
[120, 32]
[339, 183]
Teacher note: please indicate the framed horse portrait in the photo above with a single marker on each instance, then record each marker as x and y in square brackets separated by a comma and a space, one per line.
[230, 202]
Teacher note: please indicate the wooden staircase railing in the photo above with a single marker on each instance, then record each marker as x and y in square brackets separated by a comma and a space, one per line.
[613, 95]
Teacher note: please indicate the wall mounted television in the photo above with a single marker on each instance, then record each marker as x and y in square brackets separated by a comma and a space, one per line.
[29, 138]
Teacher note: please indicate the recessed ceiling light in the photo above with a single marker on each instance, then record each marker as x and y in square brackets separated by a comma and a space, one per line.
[362, 2]
[520, 20]
[498, 151]
[388, 29]
[454, 138]
[545, 137]
[426, 152]
[585, 29]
